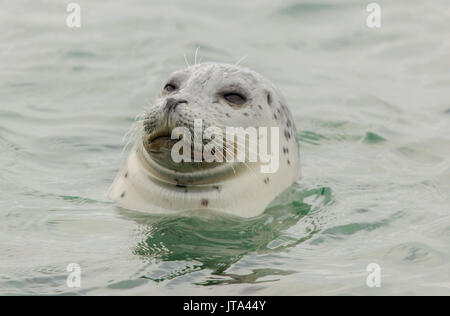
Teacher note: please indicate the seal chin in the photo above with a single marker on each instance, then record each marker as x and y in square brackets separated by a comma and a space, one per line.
[157, 154]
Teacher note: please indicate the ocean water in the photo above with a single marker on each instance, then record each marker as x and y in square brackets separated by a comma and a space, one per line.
[372, 107]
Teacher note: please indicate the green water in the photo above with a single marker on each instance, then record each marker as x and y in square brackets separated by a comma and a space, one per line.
[372, 107]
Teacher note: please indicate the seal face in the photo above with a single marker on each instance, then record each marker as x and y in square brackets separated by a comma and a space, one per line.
[221, 96]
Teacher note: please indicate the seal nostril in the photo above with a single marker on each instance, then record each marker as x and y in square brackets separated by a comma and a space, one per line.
[172, 103]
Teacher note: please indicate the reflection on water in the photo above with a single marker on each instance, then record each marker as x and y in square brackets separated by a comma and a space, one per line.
[215, 241]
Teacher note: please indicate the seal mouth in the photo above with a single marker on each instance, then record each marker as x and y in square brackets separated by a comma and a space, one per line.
[156, 142]
[158, 146]
[162, 142]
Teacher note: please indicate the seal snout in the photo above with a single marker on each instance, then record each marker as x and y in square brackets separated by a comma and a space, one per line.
[172, 103]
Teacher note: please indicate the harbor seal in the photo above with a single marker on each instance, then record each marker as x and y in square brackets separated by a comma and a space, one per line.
[220, 95]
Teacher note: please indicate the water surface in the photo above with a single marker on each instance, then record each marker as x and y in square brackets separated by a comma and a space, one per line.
[372, 107]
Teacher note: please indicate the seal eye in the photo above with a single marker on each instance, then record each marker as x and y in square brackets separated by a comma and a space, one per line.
[170, 87]
[235, 98]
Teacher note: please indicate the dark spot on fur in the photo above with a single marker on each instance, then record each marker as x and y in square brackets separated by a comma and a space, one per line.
[266, 180]
[285, 150]
[288, 123]
[227, 115]
[260, 107]
[216, 187]
[288, 162]
[126, 175]
[287, 134]
[275, 116]
[269, 99]
[122, 195]
[245, 113]
[205, 202]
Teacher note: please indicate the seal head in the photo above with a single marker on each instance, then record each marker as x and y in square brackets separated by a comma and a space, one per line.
[220, 96]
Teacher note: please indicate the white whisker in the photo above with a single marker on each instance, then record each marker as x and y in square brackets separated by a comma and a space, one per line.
[195, 56]
[131, 136]
[241, 60]
[186, 61]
